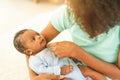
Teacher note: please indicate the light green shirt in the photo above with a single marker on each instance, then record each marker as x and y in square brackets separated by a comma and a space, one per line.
[105, 47]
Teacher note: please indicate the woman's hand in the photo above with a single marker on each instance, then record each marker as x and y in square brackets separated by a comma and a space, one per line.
[48, 77]
[88, 72]
[64, 48]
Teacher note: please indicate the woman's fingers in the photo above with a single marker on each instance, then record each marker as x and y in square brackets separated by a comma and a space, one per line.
[52, 44]
[51, 77]
[63, 48]
[56, 77]
[66, 79]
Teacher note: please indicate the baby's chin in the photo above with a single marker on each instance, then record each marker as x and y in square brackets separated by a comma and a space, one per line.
[42, 48]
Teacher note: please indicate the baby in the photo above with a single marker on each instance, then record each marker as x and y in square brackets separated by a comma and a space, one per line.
[43, 60]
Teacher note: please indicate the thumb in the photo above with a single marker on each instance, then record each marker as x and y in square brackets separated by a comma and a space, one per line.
[52, 44]
[57, 77]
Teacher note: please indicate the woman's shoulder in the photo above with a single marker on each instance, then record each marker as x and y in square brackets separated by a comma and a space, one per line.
[61, 19]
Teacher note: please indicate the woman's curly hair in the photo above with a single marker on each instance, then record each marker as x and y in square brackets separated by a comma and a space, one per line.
[96, 16]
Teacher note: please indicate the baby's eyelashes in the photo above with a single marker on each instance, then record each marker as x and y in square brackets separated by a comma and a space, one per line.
[32, 39]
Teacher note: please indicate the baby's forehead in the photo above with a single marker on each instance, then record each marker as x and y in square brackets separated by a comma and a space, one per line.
[33, 31]
[28, 34]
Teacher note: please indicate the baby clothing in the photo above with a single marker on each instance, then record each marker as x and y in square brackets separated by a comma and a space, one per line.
[47, 62]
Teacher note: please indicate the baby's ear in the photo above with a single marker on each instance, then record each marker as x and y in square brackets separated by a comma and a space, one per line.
[28, 52]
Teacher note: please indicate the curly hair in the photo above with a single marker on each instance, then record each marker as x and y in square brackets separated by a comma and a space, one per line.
[96, 16]
[17, 43]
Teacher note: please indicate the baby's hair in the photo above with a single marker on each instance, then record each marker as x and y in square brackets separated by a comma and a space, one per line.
[17, 43]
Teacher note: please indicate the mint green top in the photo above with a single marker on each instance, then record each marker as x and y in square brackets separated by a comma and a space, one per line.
[105, 47]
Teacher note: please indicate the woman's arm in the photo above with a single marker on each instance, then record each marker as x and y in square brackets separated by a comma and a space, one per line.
[31, 73]
[119, 59]
[88, 72]
[108, 69]
[49, 32]
[72, 50]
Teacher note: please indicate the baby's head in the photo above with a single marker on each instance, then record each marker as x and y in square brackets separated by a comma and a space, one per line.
[29, 42]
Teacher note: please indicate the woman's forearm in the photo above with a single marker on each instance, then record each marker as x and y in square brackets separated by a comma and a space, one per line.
[88, 72]
[31, 73]
[119, 59]
[108, 69]
[49, 32]
[96, 76]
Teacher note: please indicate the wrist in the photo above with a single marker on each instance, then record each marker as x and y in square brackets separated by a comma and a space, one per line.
[76, 52]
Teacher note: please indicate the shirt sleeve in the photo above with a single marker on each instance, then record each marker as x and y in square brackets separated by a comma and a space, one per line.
[60, 20]
[40, 66]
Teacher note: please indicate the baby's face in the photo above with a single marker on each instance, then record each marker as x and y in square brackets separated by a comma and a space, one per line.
[33, 41]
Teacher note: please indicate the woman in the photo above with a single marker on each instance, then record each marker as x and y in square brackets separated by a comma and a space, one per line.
[95, 30]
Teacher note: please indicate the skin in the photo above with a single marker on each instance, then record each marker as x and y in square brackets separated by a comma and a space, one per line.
[33, 42]
[119, 59]
[88, 72]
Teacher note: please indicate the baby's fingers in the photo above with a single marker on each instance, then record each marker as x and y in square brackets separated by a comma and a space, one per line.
[70, 68]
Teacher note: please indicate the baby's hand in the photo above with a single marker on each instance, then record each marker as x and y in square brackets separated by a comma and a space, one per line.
[66, 69]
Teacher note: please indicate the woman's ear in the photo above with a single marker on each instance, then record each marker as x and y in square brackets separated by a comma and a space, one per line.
[28, 52]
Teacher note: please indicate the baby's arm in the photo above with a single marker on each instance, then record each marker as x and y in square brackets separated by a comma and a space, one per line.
[88, 72]
[41, 66]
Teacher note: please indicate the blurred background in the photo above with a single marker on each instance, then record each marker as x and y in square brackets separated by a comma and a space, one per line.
[15, 15]
[16, 12]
